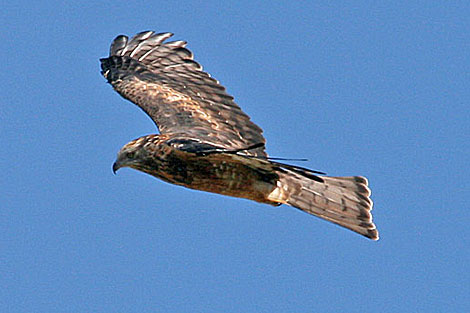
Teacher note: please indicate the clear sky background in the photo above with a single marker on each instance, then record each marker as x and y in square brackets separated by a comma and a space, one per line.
[360, 88]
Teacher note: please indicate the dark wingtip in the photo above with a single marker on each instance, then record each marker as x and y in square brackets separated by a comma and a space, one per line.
[104, 63]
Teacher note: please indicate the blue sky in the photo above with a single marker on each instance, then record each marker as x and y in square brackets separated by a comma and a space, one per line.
[364, 88]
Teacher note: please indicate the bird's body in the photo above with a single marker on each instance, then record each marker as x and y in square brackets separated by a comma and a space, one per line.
[208, 143]
[223, 173]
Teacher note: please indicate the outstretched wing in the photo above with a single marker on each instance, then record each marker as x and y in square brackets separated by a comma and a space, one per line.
[163, 80]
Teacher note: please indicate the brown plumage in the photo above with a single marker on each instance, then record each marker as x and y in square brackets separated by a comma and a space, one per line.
[208, 143]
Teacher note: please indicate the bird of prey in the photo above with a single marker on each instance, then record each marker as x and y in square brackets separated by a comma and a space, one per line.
[206, 142]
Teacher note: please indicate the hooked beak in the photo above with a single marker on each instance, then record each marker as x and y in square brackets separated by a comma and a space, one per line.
[116, 166]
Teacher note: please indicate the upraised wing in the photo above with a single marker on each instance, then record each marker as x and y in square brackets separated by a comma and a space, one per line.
[163, 80]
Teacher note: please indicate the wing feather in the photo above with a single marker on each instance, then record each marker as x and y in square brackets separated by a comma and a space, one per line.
[163, 80]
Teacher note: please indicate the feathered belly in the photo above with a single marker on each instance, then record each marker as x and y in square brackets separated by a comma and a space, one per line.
[221, 174]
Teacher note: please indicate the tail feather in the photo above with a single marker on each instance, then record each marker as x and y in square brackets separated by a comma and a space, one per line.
[342, 200]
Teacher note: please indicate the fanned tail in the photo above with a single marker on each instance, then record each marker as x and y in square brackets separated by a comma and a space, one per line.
[342, 200]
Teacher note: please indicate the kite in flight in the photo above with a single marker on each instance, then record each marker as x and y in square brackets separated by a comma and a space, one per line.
[208, 143]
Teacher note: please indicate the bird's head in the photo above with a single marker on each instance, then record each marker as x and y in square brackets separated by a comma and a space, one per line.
[133, 154]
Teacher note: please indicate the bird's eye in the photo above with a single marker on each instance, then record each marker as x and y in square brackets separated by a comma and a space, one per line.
[130, 155]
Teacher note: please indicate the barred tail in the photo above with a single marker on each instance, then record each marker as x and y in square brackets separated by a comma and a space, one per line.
[342, 200]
